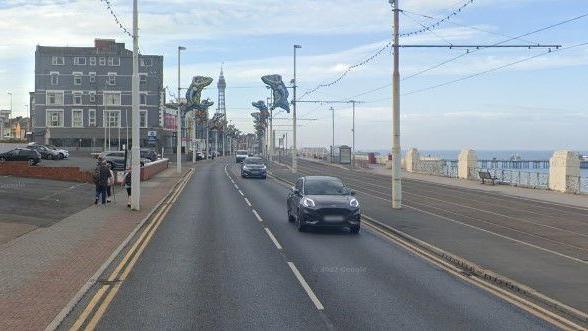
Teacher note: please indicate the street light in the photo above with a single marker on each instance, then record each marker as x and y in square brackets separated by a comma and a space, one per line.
[294, 161]
[179, 120]
[9, 126]
[333, 127]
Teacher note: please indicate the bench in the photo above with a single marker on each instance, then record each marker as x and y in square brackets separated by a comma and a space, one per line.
[485, 175]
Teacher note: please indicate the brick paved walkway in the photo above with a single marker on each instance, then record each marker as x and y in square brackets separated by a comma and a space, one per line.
[42, 270]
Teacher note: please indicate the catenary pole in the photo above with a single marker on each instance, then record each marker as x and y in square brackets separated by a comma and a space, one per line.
[135, 116]
[396, 180]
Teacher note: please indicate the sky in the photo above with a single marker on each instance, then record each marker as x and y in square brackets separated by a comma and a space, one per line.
[538, 104]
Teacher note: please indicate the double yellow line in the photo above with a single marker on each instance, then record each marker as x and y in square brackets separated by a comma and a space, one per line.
[89, 318]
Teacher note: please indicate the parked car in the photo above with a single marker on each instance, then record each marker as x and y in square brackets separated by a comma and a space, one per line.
[46, 153]
[21, 154]
[116, 160]
[323, 201]
[149, 154]
[199, 156]
[63, 153]
[240, 156]
[253, 167]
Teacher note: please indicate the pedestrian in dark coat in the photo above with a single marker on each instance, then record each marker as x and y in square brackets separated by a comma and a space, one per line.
[101, 176]
[127, 183]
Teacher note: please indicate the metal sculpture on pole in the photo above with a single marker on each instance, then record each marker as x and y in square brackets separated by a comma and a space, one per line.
[198, 107]
[260, 119]
[279, 91]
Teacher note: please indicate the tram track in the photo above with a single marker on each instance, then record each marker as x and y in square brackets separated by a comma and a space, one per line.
[447, 210]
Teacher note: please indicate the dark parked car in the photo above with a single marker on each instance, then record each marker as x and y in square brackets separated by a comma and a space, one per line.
[46, 153]
[116, 160]
[322, 201]
[253, 167]
[21, 154]
[149, 154]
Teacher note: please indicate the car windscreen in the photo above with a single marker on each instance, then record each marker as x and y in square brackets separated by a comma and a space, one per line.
[324, 186]
[241, 152]
[253, 160]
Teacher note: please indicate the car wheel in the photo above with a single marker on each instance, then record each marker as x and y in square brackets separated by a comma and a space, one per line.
[290, 217]
[32, 162]
[2, 159]
[61, 156]
[354, 229]
[299, 225]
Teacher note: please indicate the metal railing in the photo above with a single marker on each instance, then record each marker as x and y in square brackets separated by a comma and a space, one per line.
[443, 168]
[515, 177]
[577, 184]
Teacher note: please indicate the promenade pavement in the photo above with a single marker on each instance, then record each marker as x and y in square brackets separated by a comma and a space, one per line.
[42, 270]
[579, 200]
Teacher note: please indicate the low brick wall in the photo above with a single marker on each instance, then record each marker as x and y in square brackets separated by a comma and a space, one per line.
[149, 170]
[22, 169]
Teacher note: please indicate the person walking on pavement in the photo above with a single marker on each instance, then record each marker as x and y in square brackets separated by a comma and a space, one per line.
[95, 178]
[127, 184]
[110, 185]
[101, 176]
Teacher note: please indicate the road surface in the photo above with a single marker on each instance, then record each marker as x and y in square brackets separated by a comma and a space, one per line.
[225, 257]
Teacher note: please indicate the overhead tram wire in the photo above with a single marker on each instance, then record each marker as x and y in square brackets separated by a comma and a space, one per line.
[495, 68]
[407, 12]
[427, 28]
[116, 18]
[486, 71]
[386, 46]
[118, 21]
[468, 52]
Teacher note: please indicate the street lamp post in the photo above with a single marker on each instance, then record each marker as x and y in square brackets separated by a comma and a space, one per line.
[353, 135]
[271, 128]
[333, 136]
[135, 116]
[294, 160]
[179, 119]
[10, 114]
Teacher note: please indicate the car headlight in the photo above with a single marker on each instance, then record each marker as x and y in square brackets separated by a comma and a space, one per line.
[354, 203]
[263, 167]
[308, 202]
[245, 167]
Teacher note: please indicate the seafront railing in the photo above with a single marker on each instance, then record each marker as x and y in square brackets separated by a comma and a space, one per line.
[577, 184]
[529, 174]
[515, 177]
[434, 167]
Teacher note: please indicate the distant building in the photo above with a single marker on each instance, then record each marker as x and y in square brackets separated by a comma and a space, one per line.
[4, 116]
[13, 128]
[82, 96]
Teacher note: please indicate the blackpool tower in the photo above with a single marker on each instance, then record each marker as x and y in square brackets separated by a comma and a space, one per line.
[222, 85]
